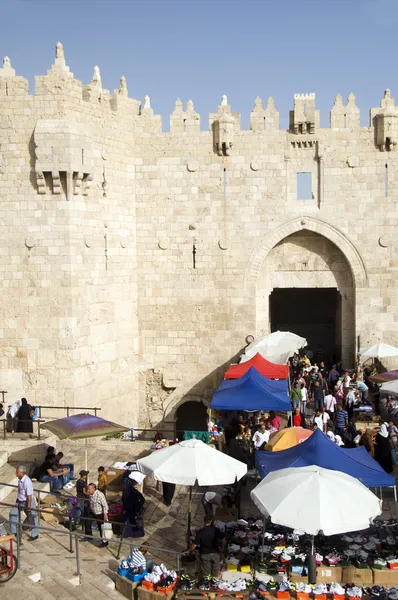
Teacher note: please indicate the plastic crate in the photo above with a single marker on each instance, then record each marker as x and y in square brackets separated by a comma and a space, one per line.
[123, 572]
[147, 585]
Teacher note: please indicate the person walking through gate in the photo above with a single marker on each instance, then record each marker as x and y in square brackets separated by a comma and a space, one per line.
[296, 395]
[208, 540]
[318, 395]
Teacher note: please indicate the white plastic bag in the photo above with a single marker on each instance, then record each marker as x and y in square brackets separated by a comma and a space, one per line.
[107, 531]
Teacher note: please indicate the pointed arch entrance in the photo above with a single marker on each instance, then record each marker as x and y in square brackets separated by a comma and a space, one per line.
[304, 277]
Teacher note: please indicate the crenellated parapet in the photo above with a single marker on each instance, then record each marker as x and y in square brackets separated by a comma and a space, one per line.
[264, 119]
[224, 125]
[10, 84]
[304, 118]
[345, 116]
[184, 121]
[385, 122]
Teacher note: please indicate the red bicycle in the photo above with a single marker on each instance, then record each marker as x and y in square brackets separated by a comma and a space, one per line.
[8, 562]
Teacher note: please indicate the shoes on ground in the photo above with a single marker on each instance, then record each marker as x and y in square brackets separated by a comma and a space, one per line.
[33, 538]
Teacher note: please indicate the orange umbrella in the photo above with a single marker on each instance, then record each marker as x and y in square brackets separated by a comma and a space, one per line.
[287, 438]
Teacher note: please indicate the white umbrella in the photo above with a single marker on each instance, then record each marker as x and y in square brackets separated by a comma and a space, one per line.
[189, 462]
[192, 461]
[276, 347]
[390, 387]
[380, 351]
[314, 499]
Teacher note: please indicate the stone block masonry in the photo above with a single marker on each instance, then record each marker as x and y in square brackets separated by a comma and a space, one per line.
[134, 263]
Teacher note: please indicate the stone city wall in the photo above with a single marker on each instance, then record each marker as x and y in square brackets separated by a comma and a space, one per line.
[135, 262]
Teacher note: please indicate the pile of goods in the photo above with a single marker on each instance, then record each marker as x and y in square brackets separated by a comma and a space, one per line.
[281, 551]
[159, 579]
[160, 444]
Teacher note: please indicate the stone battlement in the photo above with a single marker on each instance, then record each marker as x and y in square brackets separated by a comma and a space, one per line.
[60, 81]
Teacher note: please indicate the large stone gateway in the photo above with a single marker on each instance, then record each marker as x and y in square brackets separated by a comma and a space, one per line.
[135, 262]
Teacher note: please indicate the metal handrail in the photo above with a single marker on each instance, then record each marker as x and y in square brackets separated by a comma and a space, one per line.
[77, 534]
[38, 421]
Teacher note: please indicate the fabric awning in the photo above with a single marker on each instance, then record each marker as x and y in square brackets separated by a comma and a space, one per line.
[262, 365]
[252, 392]
[383, 377]
[321, 451]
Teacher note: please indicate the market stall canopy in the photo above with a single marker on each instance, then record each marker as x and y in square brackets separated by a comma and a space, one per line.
[191, 462]
[315, 499]
[252, 392]
[391, 387]
[287, 438]
[262, 365]
[383, 377]
[277, 347]
[80, 427]
[321, 451]
[380, 351]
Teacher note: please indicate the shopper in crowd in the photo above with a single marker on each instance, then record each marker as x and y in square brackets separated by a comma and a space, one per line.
[261, 437]
[304, 399]
[330, 405]
[82, 494]
[393, 434]
[367, 441]
[12, 416]
[214, 497]
[296, 395]
[346, 383]
[333, 377]
[350, 400]
[364, 390]
[209, 541]
[318, 395]
[26, 502]
[102, 480]
[98, 511]
[1, 410]
[24, 424]
[133, 501]
[341, 420]
[298, 419]
[383, 449]
[274, 420]
[168, 492]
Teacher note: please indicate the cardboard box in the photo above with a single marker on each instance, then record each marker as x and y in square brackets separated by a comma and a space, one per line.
[326, 574]
[115, 478]
[323, 575]
[143, 594]
[386, 577]
[362, 577]
[127, 588]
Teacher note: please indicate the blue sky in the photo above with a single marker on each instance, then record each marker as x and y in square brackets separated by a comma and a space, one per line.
[201, 49]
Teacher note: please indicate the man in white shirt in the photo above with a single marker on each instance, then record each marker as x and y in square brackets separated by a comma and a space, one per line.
[25, 502]
[261, 437]
[330, 403]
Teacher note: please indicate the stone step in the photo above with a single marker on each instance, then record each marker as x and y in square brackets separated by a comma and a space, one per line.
[3, 458]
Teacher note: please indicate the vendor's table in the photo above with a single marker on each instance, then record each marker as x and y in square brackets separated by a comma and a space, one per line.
[124, 586]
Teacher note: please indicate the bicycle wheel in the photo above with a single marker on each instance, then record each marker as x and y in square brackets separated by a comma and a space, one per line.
[8, 565]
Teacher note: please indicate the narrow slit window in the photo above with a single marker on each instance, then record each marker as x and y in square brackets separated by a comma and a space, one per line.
[386, 180]
[265, 123]
[304, 186]
[185, 125]
[345, 120]
[225, 184]
[82, 156]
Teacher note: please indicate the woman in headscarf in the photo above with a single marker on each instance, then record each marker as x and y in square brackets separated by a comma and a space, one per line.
[24, 424]
[133, 502]
[12, 416]
[367, 441]
[383, 449]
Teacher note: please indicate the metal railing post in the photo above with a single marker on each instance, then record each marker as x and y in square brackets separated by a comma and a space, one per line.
[70, 536]
[95, 411]
[19, 537]
[38, 430]
[38, 506]
[39, 412]
[77, 558]
[67, 411]
[4, 428]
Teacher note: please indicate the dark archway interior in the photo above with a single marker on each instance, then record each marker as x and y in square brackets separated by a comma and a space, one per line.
[190, 416]
[313, 313]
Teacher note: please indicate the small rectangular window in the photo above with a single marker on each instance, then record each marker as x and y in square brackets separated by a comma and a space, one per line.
[304, 186]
